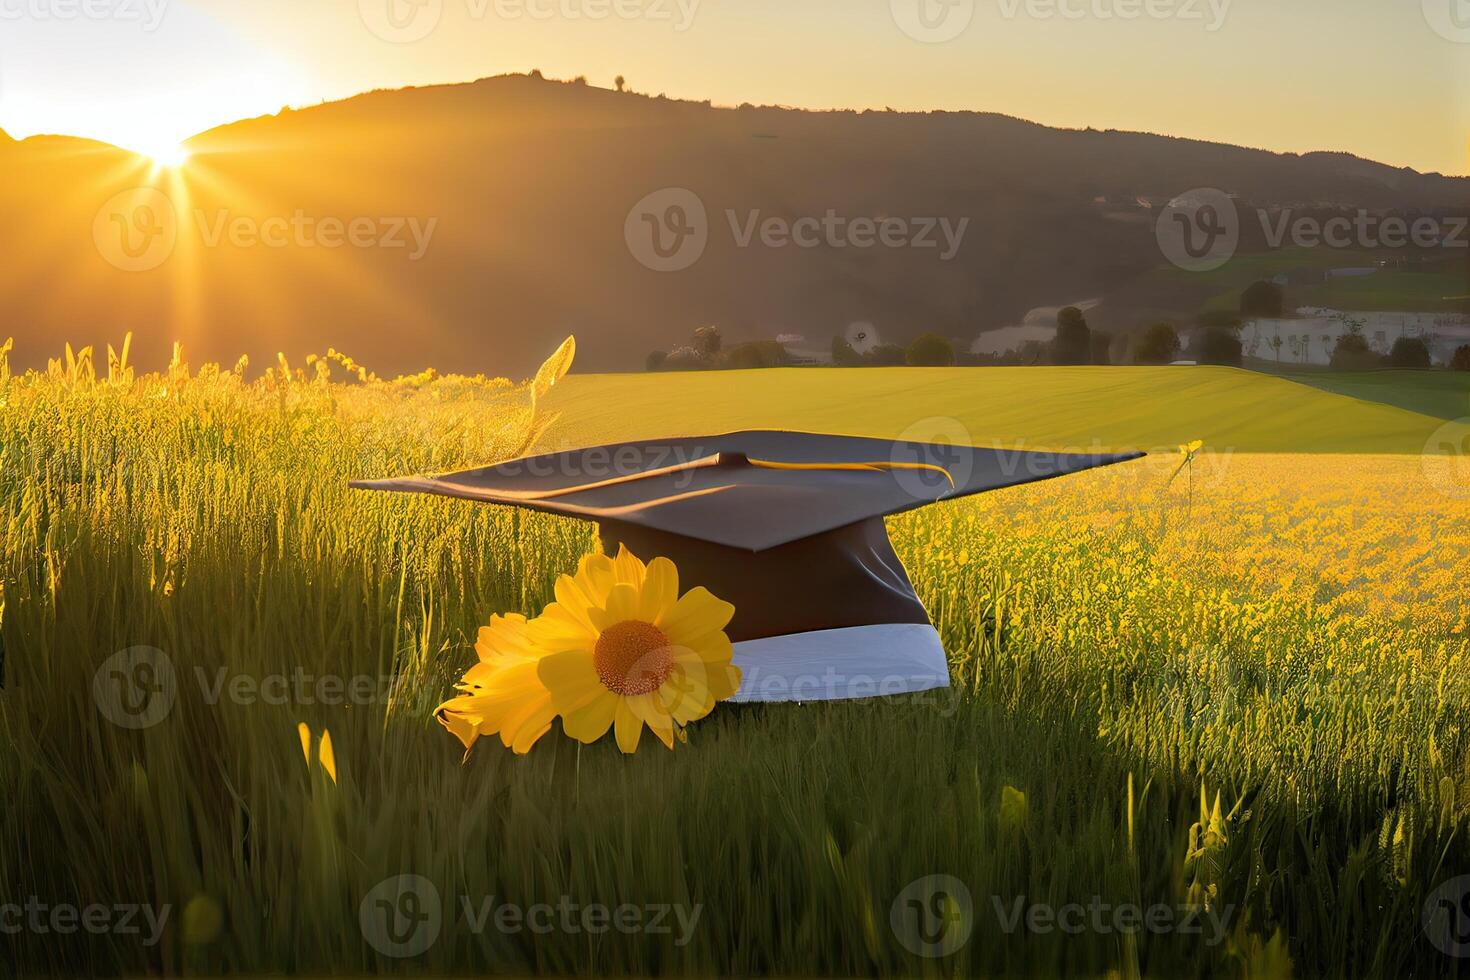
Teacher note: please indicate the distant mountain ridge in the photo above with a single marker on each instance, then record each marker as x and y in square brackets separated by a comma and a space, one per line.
[525, 186]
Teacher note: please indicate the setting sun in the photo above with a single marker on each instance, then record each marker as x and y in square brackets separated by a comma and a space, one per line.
[168, 156]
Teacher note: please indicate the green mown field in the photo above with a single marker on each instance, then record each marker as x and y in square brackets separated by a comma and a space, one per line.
[1058, 408]
[1442, 394]
[1237, 693]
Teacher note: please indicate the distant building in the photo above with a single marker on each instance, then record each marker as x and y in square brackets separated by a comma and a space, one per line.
[1311, 335]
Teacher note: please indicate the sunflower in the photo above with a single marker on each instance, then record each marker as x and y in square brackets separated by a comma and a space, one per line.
[502, 694]
[624, 649]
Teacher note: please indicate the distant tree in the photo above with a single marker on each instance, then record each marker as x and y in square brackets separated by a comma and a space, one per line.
[1461, 360]
[758, 354]
[1352, 353]
[1160, 345]
[707, 341]
[1217, 345]
[1102, 347]
[580, 80]
[535, 73]
[1033, 352]
[1276, 343]
[1074, 340]
[887, 355]
[1409, 352]
[930, 350]
[686, 358]
[655, 360]
[842, 353]
[1262, 298]
[1228, 319]
[620, 82]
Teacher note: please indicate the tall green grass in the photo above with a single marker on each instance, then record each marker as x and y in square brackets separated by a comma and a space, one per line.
[209, 518]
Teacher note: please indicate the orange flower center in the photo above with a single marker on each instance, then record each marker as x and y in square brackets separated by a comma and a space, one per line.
[633, 658]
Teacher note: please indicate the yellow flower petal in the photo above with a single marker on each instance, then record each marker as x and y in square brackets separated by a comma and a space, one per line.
[685, 696]
[506, 636]
[570, 678]
[557, 629]
[697, 613]
[327, 756]
[651, 713]
[597, 577]
[660, 590]
[628, 568]
[591, 721]
[629, 726]
[622, 606]
[460, 726]
[723, 680]
[574, 601]
[524, 730]
[305, 733]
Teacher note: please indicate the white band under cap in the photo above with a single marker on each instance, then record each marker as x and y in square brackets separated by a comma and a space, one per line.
[835, 665]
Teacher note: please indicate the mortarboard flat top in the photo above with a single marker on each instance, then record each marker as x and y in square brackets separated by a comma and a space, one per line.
[750, 490]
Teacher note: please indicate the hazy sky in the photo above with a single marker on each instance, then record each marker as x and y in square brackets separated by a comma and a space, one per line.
[1386, 79]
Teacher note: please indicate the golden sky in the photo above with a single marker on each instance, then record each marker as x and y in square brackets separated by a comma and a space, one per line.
[1385, 79]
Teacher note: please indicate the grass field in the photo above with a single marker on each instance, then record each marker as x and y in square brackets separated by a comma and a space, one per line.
[1110, 408]
[1434, 287]
[1283, 629]
[1441, 394]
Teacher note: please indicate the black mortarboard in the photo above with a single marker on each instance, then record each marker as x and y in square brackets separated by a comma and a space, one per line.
[787, 526]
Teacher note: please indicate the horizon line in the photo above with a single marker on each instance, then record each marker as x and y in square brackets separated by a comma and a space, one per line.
[582, 81]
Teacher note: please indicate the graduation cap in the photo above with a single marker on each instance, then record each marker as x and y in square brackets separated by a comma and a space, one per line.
[787, 526]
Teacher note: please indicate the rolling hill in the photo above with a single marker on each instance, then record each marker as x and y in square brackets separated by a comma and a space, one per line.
[516, 191]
